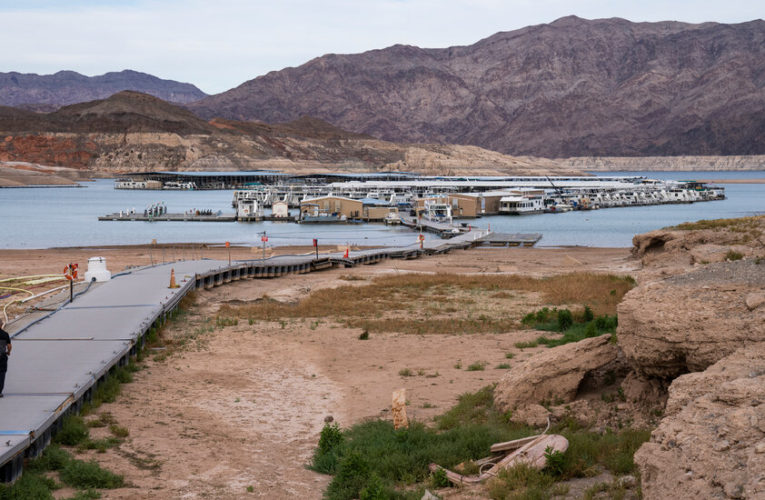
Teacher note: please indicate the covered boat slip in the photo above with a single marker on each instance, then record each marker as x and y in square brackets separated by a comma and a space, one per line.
[58, 361]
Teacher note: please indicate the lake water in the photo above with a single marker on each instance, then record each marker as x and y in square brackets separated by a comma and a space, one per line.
[61, 217]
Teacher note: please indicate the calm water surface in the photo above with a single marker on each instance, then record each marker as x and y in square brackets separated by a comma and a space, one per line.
[60, 217]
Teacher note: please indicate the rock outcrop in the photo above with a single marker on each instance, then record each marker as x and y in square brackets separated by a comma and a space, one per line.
[554, 375]
[688, 322]
[711, 443]
[674, 249]
[574, 87]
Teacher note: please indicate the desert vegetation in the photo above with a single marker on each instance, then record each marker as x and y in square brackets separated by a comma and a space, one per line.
[444, 303]
[373, 460]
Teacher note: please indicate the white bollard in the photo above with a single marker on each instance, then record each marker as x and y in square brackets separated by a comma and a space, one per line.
[97, 270]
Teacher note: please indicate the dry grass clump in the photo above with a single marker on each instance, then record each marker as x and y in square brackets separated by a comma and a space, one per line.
[749, 228]
[443, 303]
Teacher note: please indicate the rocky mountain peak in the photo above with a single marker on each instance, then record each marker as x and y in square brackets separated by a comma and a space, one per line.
[574, 87]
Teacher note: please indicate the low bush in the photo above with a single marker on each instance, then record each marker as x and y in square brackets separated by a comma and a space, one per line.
[372, 460]
[733, 255]
[31, 485]
[477, 366]
[586, 326]
[565, 319]
[83, 475]
[73, 431]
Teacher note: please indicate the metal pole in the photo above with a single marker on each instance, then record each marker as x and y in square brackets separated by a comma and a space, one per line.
[71, 290]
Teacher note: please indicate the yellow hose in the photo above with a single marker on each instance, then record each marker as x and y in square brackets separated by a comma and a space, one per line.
[26, 277]
[16, 289]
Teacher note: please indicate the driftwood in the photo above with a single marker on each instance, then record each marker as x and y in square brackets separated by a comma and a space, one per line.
[399, 409]
[530, 451]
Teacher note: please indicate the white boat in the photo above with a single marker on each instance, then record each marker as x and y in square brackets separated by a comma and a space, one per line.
[437, 212]
[521, 205]
[179, 186]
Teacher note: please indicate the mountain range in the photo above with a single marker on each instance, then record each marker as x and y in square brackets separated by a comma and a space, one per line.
[575, 87]
[49, 92]
[571, 88]
[131, 131]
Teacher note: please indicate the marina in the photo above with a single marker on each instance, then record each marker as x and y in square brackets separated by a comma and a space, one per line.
[69, 217]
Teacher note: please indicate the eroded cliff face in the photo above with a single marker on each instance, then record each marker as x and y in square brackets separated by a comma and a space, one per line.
[55, 149]
[666, 163]
[711, 443]
[690, 321]
[696, 325]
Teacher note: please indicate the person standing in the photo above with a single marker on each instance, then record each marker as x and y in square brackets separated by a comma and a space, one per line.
[5, 351]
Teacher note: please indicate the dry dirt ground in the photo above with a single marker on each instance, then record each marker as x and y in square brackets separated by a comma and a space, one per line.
[242, 405]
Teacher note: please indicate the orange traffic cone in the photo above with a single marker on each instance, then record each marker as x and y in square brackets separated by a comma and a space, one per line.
[173, 284]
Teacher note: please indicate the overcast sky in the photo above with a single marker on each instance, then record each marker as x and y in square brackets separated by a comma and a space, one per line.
[218, 44]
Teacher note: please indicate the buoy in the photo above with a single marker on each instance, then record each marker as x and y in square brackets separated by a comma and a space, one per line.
[173, 284]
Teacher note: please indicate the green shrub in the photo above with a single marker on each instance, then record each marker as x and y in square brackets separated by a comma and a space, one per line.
[374, 489]
[733, 255]
[565, 320]
[73, 431]
[371, 459]
[83, 475]
[353, 474]
[587, 315]
[124, 375]
[86, 495]
[521, 482]
[119, 431]
[326, 454]
[477, 366]
[53, 458]
[438, 479]
[100, 445]
[555, 461]
[525, 345]
[30, 486]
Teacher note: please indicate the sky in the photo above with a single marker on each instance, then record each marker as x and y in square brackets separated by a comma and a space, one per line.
[219, 44]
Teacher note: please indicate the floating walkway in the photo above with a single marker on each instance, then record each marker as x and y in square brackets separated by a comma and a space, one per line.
[59, 360]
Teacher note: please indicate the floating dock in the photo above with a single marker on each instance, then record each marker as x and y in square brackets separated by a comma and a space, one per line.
[511, 239]
[192, 218]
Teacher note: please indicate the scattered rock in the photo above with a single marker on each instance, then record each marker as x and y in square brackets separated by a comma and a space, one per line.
[580, 410]
[553, 375]
[754, 300]
[533, 414]
[647, 392]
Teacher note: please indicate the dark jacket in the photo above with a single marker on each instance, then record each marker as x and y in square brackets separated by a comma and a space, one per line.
[5, 339]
